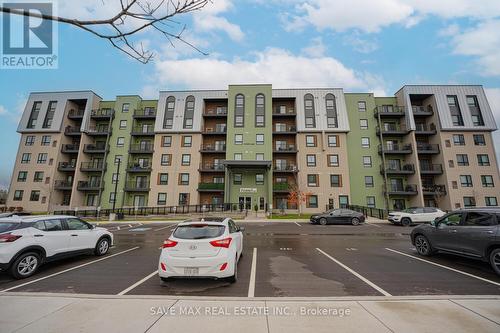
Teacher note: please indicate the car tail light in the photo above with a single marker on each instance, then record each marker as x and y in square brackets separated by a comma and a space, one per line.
[169, 243]
[223, 267]
[9, 238]
[222, 242]
[163, 267]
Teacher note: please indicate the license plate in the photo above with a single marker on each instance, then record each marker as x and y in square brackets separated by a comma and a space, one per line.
[190, 271]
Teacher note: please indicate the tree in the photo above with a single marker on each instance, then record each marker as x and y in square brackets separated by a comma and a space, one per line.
[296, 196]
[133, 17]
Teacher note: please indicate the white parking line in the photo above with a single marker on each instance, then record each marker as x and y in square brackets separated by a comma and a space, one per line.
[297, 224]
[251, 284]
[359, 276]
[445, 267]
[69, 269]
[168, 226]
[141, 281]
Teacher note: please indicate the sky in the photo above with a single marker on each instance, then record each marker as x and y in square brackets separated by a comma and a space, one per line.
[359, 45]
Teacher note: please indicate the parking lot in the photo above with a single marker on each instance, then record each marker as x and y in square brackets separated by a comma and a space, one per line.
[280, 259]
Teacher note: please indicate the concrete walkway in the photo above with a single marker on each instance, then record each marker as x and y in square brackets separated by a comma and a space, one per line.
[28, 312]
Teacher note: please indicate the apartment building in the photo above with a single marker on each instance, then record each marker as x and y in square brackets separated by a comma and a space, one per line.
[255, 146]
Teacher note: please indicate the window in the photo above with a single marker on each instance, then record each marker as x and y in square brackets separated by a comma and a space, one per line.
[38, 177]
[259, 179]
[166, 159]
[259, 156]
[462, 160]
[189, 112]
[123, 124]
[18, 195]
[312, 201]
[184, 179]
[363, 124]
[239, 111]
[120, 141]
[447, 143]
[46, 140]
[183, 199]
[311, 160]
[166, 141]
[35, 195]
[237, 180]
[370, 201]
[469, 202]
[451, 163]
[259, 139]
[187, 141]
[369, 181]
[479, 140]
[260, 110]
[34, 114]
[336, 180]
[466, 181]
[487, 181]
[483, 160]
[114, 178]
[456, 115]
[163, 179]
[42, 158]
[168, 120]
[30, 140]
[309, 111]
[312, 180]
[454, 184]
[333, 141]
[118, 158]
[362, 106]
[367, 161]
[54, 225]
[112, 197]
[237, 156]
[125, 107]
[477, 219]
[310, 140]
[162, 199]
[331, 111]
[49, 116]
[458, 140]
[218, 180]
[333, 160]
[186, 159]
[365, 142]
[475, 111]
[491, 201]
[238, 139]
[452, 219]
[25, 158]
[22, 176]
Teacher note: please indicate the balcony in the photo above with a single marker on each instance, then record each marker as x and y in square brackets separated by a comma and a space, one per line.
[95, 148]
[431, 169]
[392, 129]
[433, 189]
[72, 131]
[93, 166]
[213, 148]
[406, 169]
[211, 167]
[285, 149]
[400, 189]
[286, 168]
[395, 149]
[284, 129]
[217, 112]
[210, 187]
[98, 131]
[146, 113]
[283, 112]
[103, 114]
[141, 148]
[389, 111]
[137, 186]
[93, 185]
[422, 111]
[138, 167]
[427, 148]
[66, 166]
[215, 131]
[76, 114]
[281, 187]
[70, 148]
[147, 130]
[424, 129]
[63, 185]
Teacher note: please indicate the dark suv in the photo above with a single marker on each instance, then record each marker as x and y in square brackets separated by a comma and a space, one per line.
[474, 233]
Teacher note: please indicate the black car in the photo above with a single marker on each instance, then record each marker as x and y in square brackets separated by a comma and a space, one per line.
[473, 233]
[338, 216]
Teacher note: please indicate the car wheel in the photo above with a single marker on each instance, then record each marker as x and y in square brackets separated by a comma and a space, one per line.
[322, 221]
[102, 247]
[495, 260]
[355, 221]
[25, 265]
[405, 222]
[234, 277]
[423, 246]
[164, 279]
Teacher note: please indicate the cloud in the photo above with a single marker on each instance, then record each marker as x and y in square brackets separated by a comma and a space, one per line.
[493, 95]
[15, 114]
[316, 49]
[3, 110]
[359, 44]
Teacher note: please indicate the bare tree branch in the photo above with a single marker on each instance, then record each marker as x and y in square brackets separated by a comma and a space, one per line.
[143, 13]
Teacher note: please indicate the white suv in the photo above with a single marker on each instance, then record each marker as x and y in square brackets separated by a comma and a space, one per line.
[29, 241]
[415, 215]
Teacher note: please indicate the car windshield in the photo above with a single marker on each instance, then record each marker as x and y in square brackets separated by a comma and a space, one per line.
[8, 226]
[198, 231]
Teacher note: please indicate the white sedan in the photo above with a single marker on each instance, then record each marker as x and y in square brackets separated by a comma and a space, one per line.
[415, 215]
[208, 248]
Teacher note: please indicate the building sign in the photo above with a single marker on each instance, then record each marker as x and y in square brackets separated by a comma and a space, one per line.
[248, 190]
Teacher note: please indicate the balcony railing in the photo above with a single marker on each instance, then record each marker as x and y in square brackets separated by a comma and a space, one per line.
[92, 166]
[389, 111]
[425, 129]
[285, 168]
[406, 169]
[281, 187]
[427, 148]
[215, 130]
[215, 167]
[400, 189]
[392, 129]
[147, 113]
[72, 130]
[143, 130]
[211, 186]
[97, 131]
[284, 129]
[422, 111]
[141, 148]
[395, 149]
[288, 148]
[138, 167]
[66, 166]
[102, 113]
[63, 185]
[213, 148]
[278, 111]
[137, 186]
[433, 189]
[93, 185]
[95, 148]
[70, 148]
[431, 169]
[216, 112]
[76, 114]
